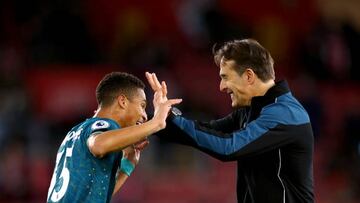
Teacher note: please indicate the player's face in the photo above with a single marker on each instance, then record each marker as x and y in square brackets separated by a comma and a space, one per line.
[135, 112]
[234, 84]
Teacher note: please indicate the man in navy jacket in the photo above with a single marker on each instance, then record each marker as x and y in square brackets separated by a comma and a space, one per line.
[269, 132]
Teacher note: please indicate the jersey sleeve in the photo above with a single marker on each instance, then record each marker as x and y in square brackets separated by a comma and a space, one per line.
[101, 125]
[95, 127]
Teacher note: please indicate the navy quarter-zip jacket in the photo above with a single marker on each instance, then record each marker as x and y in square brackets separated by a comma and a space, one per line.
[272, 142]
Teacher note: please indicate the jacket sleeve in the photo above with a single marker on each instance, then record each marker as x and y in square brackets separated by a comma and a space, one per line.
[268, 131]
[174, 133]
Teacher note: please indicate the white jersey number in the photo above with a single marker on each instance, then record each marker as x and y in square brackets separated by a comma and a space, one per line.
[58, 194]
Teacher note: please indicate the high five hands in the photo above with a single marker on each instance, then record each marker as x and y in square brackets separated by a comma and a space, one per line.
[162, 104]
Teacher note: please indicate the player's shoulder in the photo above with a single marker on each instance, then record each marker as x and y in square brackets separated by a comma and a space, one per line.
[95, 124]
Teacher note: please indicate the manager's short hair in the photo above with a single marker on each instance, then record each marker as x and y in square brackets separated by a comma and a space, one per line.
[247, 53]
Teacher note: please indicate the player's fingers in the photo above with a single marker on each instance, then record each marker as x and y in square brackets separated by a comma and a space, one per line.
[156, 81]
[150, 79]
[164, 88]
[137, 155]
[142, 145]
[171, 102]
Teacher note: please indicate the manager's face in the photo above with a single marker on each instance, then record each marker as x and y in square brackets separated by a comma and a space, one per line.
[234, 84]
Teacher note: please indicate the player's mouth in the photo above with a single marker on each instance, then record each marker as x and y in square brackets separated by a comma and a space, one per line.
[139, 122]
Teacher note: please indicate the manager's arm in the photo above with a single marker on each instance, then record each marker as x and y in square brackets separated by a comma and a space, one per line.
[175, 134]
[272, 129]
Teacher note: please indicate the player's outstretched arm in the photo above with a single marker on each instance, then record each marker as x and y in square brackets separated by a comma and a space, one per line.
[115, 140]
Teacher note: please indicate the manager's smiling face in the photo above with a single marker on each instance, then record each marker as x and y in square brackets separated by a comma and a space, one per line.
[234, 84]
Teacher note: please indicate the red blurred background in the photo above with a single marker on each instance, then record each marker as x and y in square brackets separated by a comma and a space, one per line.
[53, 53]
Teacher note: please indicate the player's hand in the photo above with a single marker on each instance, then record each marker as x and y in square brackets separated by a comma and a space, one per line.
[132, 153]
[141, 145]
[162, 104]
[160, 90]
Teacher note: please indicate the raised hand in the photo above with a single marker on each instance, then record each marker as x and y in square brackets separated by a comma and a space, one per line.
[159, 89]
[162, 104]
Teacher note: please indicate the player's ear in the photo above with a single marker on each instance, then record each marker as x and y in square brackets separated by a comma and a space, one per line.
[122, 101]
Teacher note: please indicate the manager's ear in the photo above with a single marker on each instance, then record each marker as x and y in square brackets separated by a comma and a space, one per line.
[250, 76]
[122, 101]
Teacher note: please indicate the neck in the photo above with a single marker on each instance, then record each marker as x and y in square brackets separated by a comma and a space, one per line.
[107, 112]
[263, 87]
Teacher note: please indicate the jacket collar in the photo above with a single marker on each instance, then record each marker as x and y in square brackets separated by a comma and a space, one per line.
[275, 91]
[257, 103]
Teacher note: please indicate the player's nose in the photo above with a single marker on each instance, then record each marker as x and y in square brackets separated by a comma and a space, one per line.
[144, 117]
